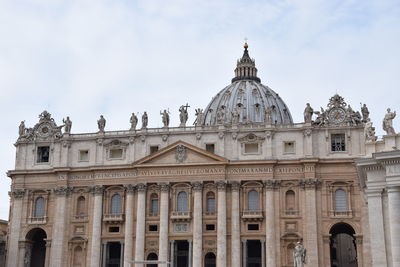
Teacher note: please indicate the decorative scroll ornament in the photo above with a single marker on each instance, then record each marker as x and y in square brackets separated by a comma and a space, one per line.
[180, 153]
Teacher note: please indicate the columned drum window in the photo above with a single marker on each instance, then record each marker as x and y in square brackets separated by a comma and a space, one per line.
[340, 200]
[116, 204]
[182, 201]
[39, 208]
[210, 202]
[253, 200]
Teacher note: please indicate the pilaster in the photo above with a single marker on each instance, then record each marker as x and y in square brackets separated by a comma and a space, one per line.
[95, 248]
[221, 224]
[197, 224]
[164, 209]
[128, 246]
[235, 224]
[140, 223]
[15, 225]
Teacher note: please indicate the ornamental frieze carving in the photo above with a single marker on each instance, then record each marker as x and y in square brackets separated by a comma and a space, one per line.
[251, 138]
[311, 183]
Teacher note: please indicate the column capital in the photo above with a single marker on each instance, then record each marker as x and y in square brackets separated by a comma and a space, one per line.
[130, 188]
[197, 186]
[141, 187]
[97, 189]
[18, 193]
[271, 184]
[311, 183]
[164, 187]
[221, 185]
[235, 185]
[62, 190]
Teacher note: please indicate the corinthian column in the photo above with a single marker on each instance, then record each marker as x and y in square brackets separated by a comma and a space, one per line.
[164, 211]
[17, 196]
[235, 225]
[221, 224]
[58, 236]
[95, 248]
[197, 225]
[130, 189]
[394, 222]
[311, 225]
[140, 223]
[270, 248]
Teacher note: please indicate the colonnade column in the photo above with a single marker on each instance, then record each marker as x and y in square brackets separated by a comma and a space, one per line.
[140, 223]
[15, 226]
[164, 210]
[270, 230]
[128, 247]
[221, 224]
[311, 227]
[197, 224]
[244, 255]
[95, 248]
[394, 222]
[58, 235]
[172, 253]
[235, 225]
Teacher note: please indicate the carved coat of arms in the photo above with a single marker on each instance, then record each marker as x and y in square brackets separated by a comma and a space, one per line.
[180, 153]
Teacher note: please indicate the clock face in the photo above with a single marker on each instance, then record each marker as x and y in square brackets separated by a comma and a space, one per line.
[44, 130]
[337, 115]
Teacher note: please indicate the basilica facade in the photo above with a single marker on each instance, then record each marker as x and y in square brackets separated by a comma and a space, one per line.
[242, 187]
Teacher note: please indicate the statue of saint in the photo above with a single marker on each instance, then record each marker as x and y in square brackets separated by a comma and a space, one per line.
[388, 122]
[268, 115]
[101, 123]
[369, 131]
[199, 117]
[308, 112]
[220, 115]
[133, 120]
[235, 116]
[365, 113]
[183, 115]
[145, 120]
[165, 117]
[299, 255]
[21, 129]
[67, 125]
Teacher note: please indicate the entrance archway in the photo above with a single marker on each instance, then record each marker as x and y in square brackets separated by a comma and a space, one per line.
[35, 252]
[343, 246]
[209, 260]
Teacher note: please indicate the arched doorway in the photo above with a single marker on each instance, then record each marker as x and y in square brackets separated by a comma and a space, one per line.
[35, 251]
[153, 257]
[343, 246]
[209, 260]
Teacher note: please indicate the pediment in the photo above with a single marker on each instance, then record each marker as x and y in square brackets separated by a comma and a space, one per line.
[180, 153]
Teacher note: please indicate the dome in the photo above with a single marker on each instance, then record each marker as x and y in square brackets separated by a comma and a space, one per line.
[246, 100]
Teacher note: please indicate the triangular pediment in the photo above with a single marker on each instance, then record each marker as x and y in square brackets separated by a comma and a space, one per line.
[180, 153]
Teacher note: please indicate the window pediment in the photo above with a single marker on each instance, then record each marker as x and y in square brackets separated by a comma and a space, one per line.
[251, 138]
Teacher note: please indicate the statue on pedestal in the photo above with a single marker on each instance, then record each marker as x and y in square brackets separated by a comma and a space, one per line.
[101, 123]
[183, 115]
[268, 115]
[388, 122]
[165, 118]
[21, 129]
[221, 115]
[67, 125]
[235, 116]
[199, 117]
[369, 131]
[145, 120]
[299, 255]
[365, 113]
[308, 112]
[133, 120]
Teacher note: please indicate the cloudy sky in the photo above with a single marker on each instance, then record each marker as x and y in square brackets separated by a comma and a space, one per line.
[114, 57]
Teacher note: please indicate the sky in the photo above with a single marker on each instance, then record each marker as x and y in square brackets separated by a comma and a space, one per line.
[84, 58]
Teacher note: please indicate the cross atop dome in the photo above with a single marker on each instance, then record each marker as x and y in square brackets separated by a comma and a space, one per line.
[246, 67]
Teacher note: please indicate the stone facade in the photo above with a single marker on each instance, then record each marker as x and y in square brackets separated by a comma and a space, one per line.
[226, 194]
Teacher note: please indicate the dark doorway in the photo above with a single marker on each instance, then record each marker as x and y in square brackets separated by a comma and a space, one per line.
[152, 257]
[253, 253]
[37, 252]
[182, 253]
[343, 246]
[209, 260]
[113, 254]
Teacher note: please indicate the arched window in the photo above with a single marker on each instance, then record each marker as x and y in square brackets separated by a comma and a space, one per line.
[290, 200]
[210, 202]
[153, 257]
[209, 260]
[116, 204]
[253, 200]
[182, 201]
[340, 200]
[80, 206]
[154, 204]
[39, 208]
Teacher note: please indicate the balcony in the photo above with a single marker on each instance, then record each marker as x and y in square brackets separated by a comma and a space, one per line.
[80, 218]
[113, 218]
[181, 216]
[291, 213]
[37, 220]
[253, 215]
[341, 214]
[210, 214]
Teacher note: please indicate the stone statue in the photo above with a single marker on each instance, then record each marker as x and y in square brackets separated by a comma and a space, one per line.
[21, 129]
[268, 115]
[235, 116]
[199, 117]
[145, 120]
[299, 255]
[67, 125]
[388, 122]
[101, 123]
[308, 112]
[220, 115]
[369, 131]
[133, 120]
[365, 113]
[183, 115]
[165, 117]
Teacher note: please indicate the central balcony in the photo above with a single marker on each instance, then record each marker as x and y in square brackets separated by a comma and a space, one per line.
[181, 216]
[113, 218]
[37, 220]
[252, 215]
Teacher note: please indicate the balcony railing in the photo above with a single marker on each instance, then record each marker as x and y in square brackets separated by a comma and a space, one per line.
[181, 215]
[37, 220]
[291, 212]
[346, 213]
[252, 215]
[80, 218]
[113, 218]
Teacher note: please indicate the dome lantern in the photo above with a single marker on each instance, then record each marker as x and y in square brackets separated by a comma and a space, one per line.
[246, 67]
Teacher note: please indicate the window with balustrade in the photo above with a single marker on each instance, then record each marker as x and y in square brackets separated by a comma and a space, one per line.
[154, 204]
[253, 201]
[39, 208]
[182, 201]
[210, 203]
[340, 199]
[116, 204]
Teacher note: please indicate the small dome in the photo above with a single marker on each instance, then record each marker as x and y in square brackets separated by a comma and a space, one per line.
[246, 100]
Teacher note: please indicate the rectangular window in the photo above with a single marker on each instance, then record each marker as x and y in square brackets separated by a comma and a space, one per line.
[251, 148]
[210, 227]
[113, 229]
[43, 154]
[210, 148]
[253, 227]
[116, 153]
[338, 142]
[153, 228]
[153, 149]
[289, 147]
[154, 207]
[83, 155]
